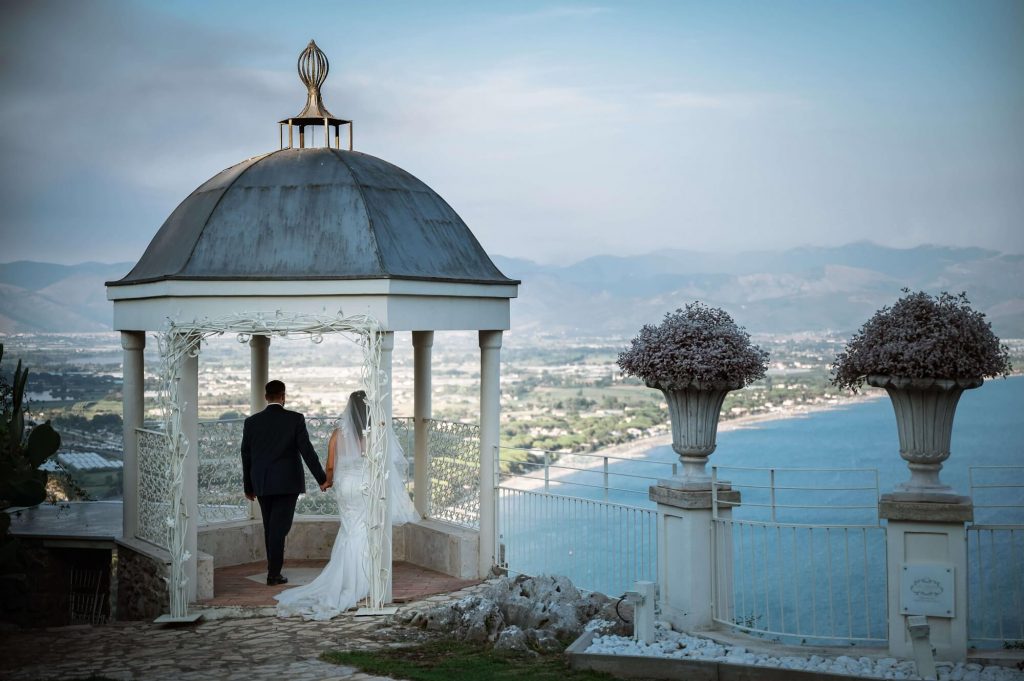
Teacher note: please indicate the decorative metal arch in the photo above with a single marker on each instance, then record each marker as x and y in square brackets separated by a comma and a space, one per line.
[183, 339]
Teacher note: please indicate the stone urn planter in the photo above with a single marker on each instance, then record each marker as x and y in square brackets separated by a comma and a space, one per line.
[694, 411]
[694, 357]
[924, 351]
[924, 410]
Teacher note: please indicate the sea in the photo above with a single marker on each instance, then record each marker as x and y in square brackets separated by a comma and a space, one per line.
[829, 468]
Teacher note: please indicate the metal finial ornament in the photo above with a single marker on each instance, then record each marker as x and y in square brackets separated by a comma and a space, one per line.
[313, 68]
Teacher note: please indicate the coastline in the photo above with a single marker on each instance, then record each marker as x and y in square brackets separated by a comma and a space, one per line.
[636, 449]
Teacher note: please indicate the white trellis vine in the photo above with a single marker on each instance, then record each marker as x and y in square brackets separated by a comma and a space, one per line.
[183, 339]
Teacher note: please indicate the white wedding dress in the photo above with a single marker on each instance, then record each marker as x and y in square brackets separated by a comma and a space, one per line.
[344, 581]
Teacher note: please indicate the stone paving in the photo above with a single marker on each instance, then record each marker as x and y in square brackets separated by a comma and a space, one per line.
[236, 644]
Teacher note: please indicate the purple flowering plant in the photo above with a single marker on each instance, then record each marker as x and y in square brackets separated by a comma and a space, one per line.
[697, 345]
[923, 336]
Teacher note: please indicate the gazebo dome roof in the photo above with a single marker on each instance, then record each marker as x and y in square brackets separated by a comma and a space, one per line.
[314, 213]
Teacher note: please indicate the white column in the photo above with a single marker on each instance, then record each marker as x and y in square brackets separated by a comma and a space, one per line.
[259, 372]
[387, 346]
[490, 417]
[133, 415]
[259, 375]
[929, 537]
[422, 343]
[188, 398]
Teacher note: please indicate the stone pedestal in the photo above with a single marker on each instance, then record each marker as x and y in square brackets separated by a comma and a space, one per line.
[686, 554]
[928, 539]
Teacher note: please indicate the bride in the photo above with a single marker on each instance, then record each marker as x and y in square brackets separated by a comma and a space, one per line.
[343, 581]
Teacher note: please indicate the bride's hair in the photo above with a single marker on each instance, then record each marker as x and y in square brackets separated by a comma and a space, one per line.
[358, 400]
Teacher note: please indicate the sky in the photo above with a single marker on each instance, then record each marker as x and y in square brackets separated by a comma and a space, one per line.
[557, 130]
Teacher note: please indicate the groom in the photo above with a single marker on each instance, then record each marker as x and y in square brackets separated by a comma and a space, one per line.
[272, 442]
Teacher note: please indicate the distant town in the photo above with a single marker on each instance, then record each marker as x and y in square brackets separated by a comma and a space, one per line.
[559, 394]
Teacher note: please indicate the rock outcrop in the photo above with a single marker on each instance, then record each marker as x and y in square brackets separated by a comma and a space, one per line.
[523, 614]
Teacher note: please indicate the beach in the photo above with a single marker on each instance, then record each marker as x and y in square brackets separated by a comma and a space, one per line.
[569, 463]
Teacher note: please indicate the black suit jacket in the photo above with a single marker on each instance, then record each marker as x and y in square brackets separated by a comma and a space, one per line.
[272, 442]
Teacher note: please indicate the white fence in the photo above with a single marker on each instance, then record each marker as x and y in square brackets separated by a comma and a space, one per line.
[585, 516]
[599, 545]
[454, 462]
[995, 556]
[780, 575]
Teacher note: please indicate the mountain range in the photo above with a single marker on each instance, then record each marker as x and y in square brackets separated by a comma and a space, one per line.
[786, 291]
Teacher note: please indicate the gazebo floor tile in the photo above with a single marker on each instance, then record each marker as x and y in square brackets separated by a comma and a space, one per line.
[233, 586]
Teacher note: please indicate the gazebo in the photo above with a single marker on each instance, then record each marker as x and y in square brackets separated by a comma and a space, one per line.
[303, 240]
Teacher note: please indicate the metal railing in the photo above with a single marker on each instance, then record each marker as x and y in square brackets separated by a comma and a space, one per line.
[454, 460]
[800, 555]
[582, 474]
[600, 546]
[154, 486]
[995, 555]
[454, 472]
[221, 495]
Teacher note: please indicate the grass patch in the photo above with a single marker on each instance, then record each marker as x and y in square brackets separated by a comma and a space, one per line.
[460, 661]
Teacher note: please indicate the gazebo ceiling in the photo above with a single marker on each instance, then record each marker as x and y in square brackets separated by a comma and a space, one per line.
[314, 213]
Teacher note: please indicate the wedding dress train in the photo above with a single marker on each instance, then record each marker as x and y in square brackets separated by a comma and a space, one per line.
[343, 581]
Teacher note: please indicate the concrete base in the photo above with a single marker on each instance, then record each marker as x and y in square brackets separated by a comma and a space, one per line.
[431, 544]
[920, 533]
[638, 667]
[686, 485]
[895, 507]
[685, 553]
[439, 546]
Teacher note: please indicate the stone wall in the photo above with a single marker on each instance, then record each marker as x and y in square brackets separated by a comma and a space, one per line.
[41, 594]
[141, 589]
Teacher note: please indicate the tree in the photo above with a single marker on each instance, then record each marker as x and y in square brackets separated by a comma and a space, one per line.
[21, 481]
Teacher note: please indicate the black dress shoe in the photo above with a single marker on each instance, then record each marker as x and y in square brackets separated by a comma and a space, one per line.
[274, 581]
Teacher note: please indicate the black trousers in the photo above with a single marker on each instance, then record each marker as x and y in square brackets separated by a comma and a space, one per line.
[278, 511]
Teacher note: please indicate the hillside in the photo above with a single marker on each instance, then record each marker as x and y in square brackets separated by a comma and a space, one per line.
[801, 289]
[38, 297]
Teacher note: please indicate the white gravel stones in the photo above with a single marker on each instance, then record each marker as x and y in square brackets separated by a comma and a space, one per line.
[671, 644]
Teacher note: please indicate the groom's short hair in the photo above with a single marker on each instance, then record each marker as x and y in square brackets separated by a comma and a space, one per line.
[274, 389]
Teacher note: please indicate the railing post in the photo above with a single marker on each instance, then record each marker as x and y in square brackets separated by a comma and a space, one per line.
[547, 470]
[604, 466]
[771, 488]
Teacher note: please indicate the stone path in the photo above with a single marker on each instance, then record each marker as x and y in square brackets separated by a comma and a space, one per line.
[247, 645]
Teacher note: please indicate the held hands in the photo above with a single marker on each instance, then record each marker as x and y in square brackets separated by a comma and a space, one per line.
[326, 485]
[250, 497]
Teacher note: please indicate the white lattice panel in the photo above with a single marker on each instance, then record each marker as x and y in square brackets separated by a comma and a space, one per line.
[154, 487]
[455, 472]
[221, 492]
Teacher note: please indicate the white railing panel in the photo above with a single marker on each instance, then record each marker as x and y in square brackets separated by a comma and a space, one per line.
[995, 555]
[454, 472]
[802, 557]
[154, 461]
[585, 475]
[221, 495]
[600, 546]
[454, 460]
